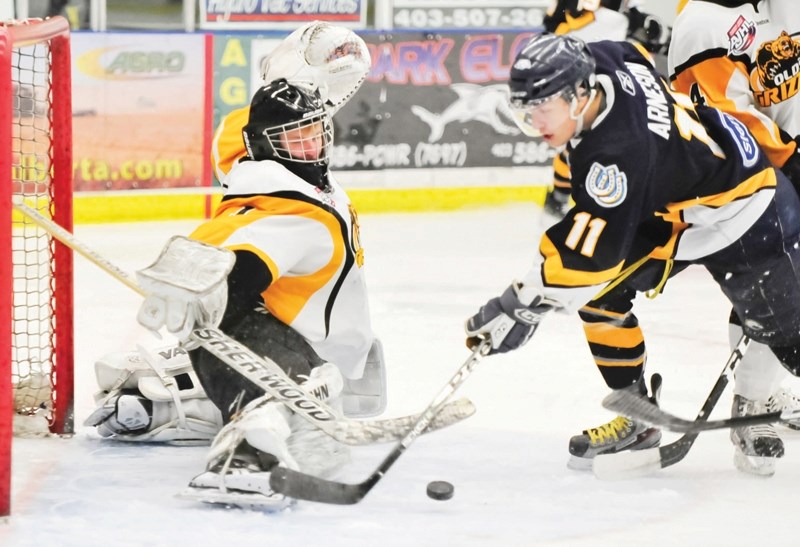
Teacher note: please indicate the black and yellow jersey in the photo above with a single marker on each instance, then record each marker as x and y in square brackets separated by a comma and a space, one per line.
[652, 177]
[300, 248]
[743, 58]
[227, 146]
[589, 21]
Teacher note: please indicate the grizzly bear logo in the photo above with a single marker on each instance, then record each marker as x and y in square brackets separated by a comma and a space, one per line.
[777, 60]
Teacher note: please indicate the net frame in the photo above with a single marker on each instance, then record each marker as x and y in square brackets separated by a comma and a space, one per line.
[39, 104]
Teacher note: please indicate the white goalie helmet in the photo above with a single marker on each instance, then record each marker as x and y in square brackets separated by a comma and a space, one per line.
[330, 59]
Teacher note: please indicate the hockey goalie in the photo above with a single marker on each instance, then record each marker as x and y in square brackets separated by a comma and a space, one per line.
[279, 269]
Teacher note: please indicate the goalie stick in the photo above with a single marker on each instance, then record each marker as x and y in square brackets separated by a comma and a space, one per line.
[638, 463]
[266, 373]
[298, 485]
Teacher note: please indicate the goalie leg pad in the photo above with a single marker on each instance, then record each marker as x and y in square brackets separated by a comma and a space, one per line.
[152, 396]
[123, 370]
[266, 426]
[262, 435]
[315, 452]
[366, 396]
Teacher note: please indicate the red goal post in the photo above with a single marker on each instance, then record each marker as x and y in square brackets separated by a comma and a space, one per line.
[36, 290]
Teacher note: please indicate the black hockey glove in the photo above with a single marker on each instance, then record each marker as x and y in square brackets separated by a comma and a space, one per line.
[506, 321]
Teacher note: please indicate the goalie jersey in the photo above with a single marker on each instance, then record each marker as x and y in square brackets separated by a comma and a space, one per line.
[652, 177]
[743, 58]
[298, 249]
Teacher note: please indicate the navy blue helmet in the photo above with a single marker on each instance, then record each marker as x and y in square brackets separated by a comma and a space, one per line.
[277, 129]
[549, 66]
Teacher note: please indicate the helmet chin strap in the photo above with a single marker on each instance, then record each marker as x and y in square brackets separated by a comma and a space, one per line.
[578, 116]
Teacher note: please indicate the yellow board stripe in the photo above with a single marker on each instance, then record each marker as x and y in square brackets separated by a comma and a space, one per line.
[151, 206]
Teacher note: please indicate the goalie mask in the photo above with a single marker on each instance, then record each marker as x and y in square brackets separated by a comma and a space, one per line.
[548, 67]
[289, 125]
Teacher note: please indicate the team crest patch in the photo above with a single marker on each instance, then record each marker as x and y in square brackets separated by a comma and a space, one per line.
[741, 36]
[608, 186]
[777, 69]
[626, 82]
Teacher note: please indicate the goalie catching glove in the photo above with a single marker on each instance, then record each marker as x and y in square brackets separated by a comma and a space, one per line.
[509, 320]
[324, 57]
[186, 287]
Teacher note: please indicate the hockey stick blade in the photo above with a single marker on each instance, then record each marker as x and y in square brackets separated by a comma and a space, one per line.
[639, 408]
[298, 485]
[253, 367]
[632, 464]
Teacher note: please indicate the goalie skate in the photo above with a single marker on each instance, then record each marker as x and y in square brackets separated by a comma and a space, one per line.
[241, 488]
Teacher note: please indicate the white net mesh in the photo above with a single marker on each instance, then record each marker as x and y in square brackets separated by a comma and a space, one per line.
[32, 366]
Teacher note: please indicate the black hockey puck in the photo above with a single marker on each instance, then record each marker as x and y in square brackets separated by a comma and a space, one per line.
[440, 490]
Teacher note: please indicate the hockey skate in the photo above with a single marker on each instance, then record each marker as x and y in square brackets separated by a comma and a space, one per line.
[242, 481]
[619, 434]
[241, 457]
[784, 399]
[757, 447]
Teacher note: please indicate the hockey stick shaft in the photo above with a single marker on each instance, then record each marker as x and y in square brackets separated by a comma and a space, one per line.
[643, 462]
[636, 407]
[298, 485]
[68, 239]
[262, 371]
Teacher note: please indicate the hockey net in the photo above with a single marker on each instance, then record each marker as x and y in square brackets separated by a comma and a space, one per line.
[36, 300]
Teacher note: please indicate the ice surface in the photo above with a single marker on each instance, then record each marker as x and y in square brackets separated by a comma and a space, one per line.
[427, 273]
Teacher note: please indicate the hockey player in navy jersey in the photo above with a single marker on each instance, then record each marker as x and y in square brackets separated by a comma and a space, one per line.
[591, 21]
[658, 184]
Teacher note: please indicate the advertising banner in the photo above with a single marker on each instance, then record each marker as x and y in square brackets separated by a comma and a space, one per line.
[138, 104]
[271, 14]
[430, 100]
[238, 59]
[465, 14]
[436, 101]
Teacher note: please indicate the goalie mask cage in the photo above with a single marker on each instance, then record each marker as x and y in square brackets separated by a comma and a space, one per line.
[36, 294]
